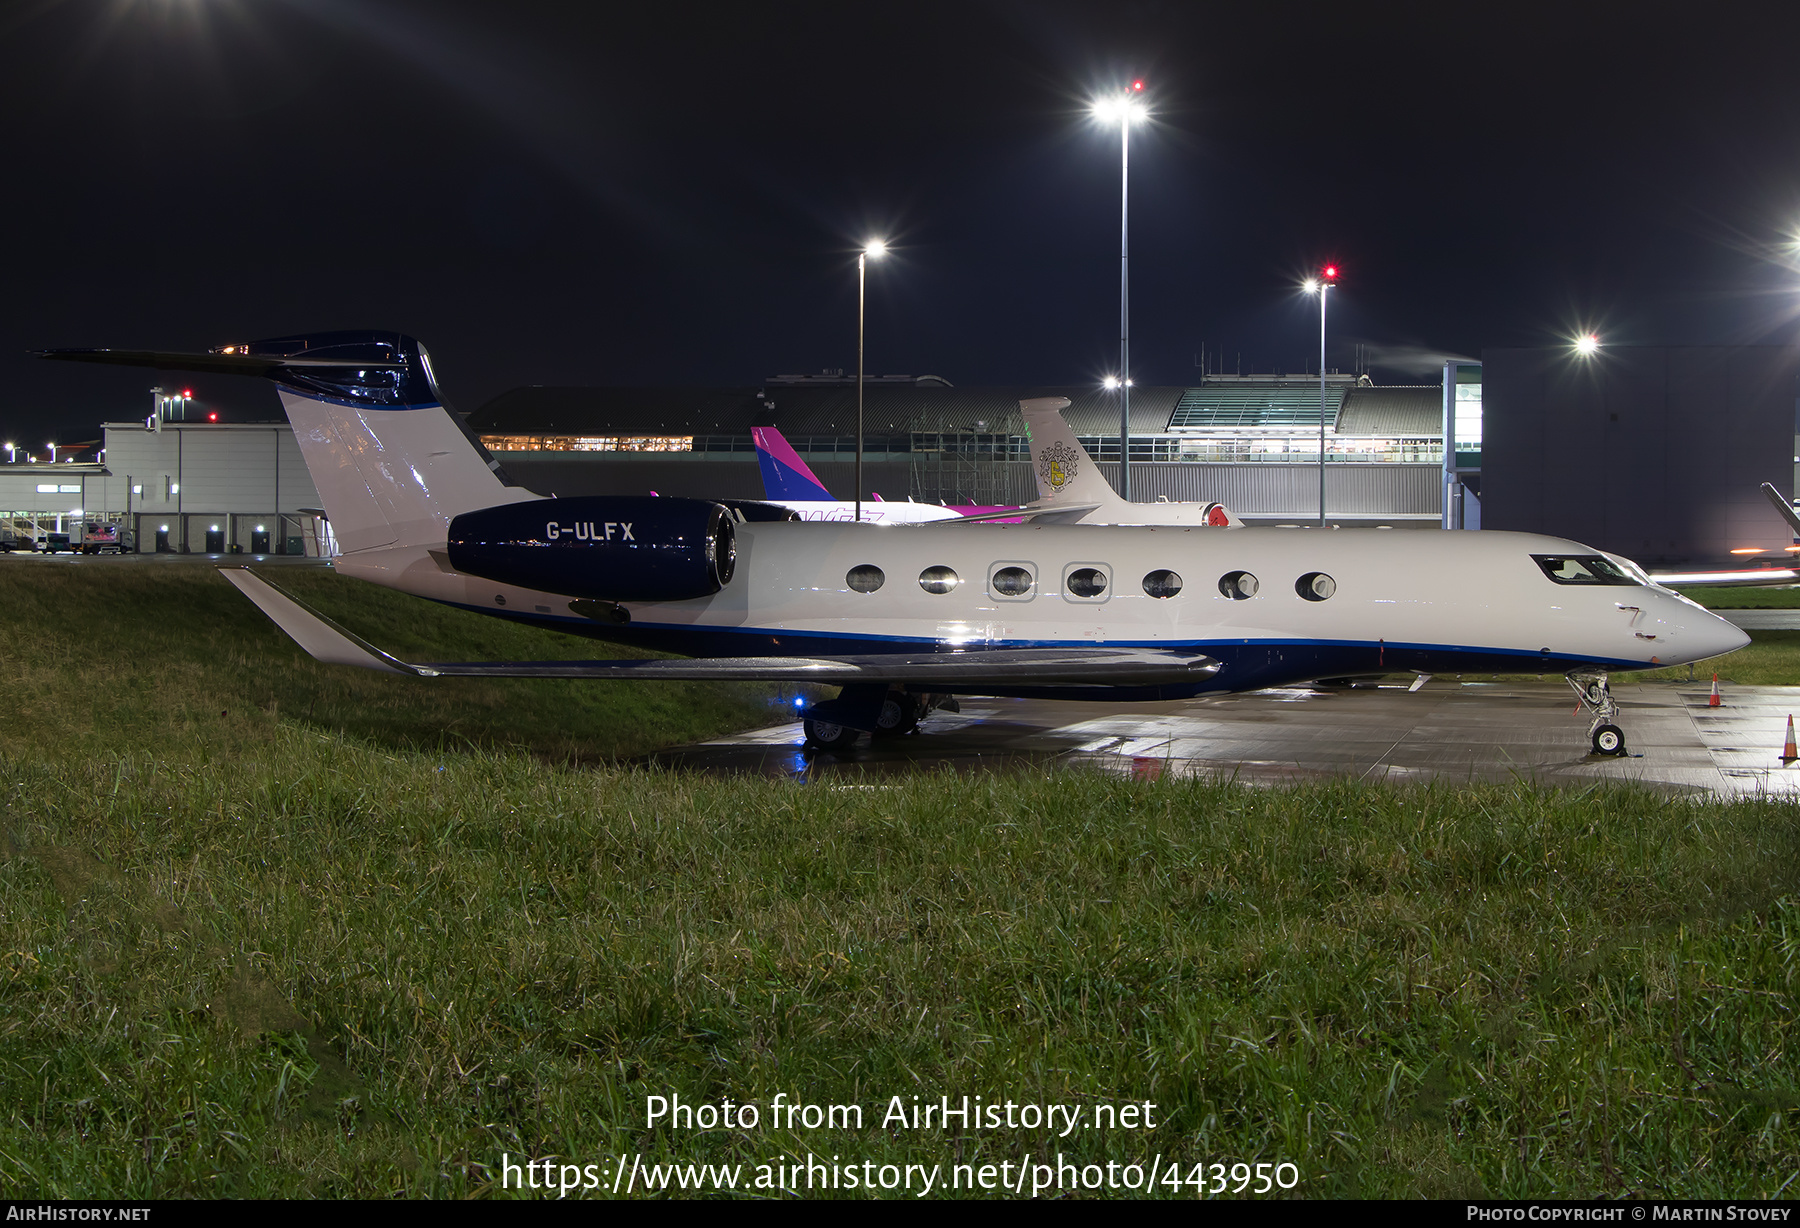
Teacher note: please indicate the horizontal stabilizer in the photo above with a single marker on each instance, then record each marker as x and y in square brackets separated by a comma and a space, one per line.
[1078, 666]
[217, 364]
[323, 639]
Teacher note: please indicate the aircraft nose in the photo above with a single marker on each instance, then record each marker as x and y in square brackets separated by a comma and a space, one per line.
[1717, 636]
[1696, 634]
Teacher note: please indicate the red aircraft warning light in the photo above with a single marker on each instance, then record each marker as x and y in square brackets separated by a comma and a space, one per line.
[1329, 272]
[1137, 86]
[213, 416]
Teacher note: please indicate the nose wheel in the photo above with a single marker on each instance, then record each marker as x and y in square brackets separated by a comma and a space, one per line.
[1608, 740]
[1596, 696]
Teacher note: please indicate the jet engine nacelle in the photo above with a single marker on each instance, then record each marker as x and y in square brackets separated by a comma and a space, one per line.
[611, 548]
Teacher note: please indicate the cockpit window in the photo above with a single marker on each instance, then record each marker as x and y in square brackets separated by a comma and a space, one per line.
[1583, 569]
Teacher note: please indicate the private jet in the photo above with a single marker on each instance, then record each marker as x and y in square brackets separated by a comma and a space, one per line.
[900, 617]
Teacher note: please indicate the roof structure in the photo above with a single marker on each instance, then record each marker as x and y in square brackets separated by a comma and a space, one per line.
[1240, 407]
[1393, 412]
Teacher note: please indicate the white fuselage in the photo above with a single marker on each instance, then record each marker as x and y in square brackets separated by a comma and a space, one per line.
[1425, 600]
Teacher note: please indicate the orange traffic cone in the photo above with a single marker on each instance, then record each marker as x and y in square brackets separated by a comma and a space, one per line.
[1713, 702]
[1790, 752]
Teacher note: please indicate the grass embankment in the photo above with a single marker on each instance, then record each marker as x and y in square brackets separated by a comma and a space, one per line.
[312, 948]
[339, 971]
[1728, 598]
[134, 658]
[1772, 658]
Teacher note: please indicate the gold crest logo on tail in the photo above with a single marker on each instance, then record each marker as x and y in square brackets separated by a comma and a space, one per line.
[1057, 465]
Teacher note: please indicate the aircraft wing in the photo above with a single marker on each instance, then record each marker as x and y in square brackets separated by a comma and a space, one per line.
[325, 641]
[1783, 506]
[1030, 511]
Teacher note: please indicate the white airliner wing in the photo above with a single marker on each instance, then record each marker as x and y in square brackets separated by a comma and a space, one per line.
[1099, 666]
[1031, 511]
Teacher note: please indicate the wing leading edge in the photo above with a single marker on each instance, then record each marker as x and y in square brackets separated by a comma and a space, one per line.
[325, 641]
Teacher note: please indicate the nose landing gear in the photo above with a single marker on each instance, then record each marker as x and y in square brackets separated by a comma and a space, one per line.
[1596, 696]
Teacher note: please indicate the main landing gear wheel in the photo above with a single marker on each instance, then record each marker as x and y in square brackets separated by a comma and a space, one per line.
[1596, 696]
[1609, 740]
[827, 736]
[899, 714]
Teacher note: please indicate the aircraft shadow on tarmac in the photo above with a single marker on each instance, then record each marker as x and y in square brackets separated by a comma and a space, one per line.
[1451, 731]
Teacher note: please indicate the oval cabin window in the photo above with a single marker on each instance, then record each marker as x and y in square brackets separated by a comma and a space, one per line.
[1315, 586]
[938, 579]
[1238, 585]
[1162, 583]
[1012, 582]
[1087, 582]
[865, 579]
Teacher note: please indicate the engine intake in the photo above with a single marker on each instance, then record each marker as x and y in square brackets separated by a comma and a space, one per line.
[604, 547]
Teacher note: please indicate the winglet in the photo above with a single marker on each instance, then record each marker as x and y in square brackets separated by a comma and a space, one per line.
[323, 639]
[785, 476]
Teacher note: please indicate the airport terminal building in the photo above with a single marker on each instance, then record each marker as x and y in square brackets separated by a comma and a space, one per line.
[1250, 442]
[1656, 453]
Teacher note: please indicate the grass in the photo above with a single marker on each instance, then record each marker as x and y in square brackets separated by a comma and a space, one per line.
[342, 972]
[1772, 658]
[102, 659]
[327, 956]
[1786, 597]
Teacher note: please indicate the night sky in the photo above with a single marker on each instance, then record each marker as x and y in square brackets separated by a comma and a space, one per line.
[672, 194]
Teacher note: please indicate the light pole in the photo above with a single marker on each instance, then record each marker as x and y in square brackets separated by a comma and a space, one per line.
[1327, 280]
[11, 459]
[1124, 110]
[875, 250]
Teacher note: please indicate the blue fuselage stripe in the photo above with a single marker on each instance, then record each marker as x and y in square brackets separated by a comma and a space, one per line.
[1247, 662]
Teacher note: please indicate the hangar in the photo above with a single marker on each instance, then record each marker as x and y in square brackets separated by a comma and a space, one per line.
[174, 487]
[1654, 452]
